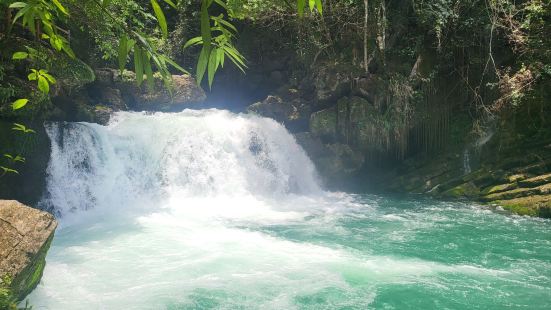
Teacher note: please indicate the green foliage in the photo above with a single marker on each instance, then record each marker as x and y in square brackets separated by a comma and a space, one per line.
[7, 300]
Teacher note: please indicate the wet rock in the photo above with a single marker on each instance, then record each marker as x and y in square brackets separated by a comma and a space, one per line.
[25, 237]
[335, 162]
[286, 108]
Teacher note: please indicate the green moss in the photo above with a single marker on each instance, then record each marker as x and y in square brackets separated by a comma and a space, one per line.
[467, 190]
[520, 209]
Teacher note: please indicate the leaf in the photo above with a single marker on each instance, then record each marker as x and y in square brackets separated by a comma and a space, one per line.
[319, 6]
[160, 17]
[212, 66]
[300, 7]
[19, 55]
[6, 170]
[148, 72]
[19, 103]
[221, 56]
[123, 52]
[50, 78]
[43, 85]
[17, 5]
[106, 3]
[202, 64]
[20, 127]
[175, 65]
[138, 66]
[311, 4]
[60, 7]
[171, 3]
[193, 41]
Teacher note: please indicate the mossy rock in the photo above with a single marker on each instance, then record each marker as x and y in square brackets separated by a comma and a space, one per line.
[537, 205]
[465, 190]
[535, 181]
[499, 188]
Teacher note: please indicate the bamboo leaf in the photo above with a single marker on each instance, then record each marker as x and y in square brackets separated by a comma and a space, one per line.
[212, 66]
[300, 7]
[171, 3]
[138, 66]
[148, 72]
[160, 17]
[193, 41]
[319, 6]
[311, 4]
[202, 64]
[123, 52]
[60, 7]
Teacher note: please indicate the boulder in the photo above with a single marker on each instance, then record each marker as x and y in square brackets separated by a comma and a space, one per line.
[25, 237]
[119, 91]
[184, 91]
[286, 108]
[335, 162]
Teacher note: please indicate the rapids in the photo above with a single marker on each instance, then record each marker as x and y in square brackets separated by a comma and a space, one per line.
[214, 210]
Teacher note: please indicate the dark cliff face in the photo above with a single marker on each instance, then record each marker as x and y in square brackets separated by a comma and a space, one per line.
[28, 184]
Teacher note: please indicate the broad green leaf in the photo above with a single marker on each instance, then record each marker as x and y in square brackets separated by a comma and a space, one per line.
[50, 78]
[311, 3]
[19, 55]
[33, 76]
[138, 66]
[19, 103]
[202, 64]
[160, 17]
[43, 84]
[123, 52]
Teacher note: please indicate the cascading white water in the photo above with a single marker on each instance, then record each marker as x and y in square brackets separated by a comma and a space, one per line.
[213, 210]
[142, 159]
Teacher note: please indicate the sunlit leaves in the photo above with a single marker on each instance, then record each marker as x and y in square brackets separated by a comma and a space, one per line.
[19, 103]
[6, 170]
[43, 78]
[22, 128]
[19, 55]
[312, 4]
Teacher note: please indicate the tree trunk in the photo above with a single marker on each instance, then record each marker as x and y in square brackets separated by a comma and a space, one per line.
[366, 15]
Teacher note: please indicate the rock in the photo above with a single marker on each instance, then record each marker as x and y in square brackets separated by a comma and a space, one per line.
[185, 91]
[119, 91]
[535, 181]
[538, 205]
[334, 162]
[465, 190]
[330, 83]
[25, 237]
[286, 108]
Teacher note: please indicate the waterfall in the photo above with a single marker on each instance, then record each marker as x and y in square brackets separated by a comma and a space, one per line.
[466, 161]
[140, 159]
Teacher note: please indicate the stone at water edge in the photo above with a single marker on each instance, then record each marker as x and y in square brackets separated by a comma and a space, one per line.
[25, 237]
